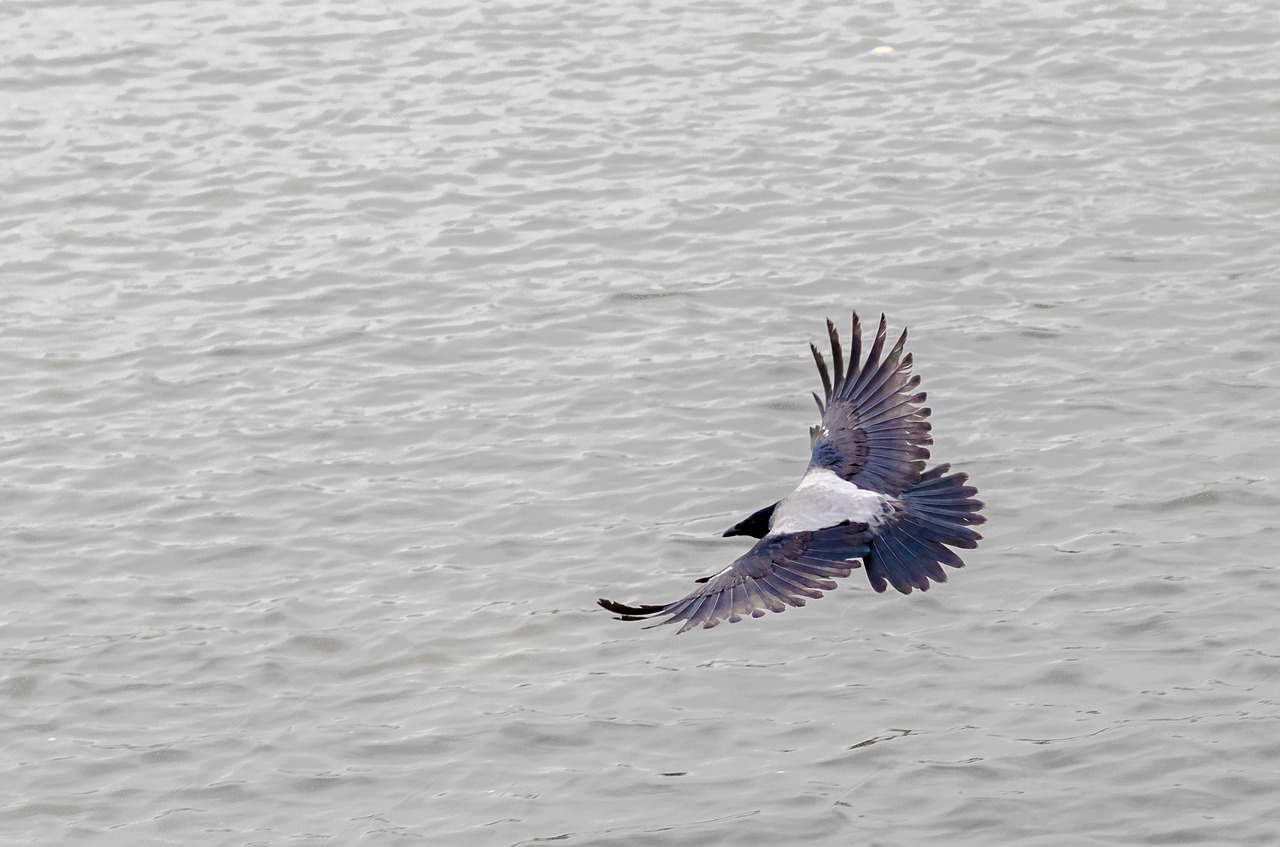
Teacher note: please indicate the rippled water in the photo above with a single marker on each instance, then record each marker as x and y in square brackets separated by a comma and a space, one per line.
[353, 350]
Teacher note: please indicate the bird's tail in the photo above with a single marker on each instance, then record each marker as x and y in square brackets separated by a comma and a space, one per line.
[937, 514]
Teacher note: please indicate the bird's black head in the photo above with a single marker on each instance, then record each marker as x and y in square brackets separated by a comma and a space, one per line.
[756, 525]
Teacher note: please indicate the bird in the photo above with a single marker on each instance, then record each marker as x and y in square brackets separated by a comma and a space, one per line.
[866, 500]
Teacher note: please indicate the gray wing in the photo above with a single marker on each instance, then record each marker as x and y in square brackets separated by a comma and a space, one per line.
[780, 571]
[874, 430]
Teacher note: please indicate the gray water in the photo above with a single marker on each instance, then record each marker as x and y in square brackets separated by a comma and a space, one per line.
[352, 350]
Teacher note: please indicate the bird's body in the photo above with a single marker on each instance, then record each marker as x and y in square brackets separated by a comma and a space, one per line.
[823, 499]
[865, 496]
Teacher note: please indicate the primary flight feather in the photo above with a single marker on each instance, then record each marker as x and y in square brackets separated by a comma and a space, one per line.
[865, 495]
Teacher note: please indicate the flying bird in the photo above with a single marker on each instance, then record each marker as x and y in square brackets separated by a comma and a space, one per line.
[866, 495]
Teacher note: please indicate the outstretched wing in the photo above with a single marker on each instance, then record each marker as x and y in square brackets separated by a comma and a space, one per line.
[874, 430]
[780, 571]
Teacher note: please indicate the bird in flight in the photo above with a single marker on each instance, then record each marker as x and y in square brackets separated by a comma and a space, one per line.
[866, 495]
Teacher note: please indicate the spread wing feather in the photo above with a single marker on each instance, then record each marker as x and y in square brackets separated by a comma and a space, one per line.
[780, 571]
[874, 430]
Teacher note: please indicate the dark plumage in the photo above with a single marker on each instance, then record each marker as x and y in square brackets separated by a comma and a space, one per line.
[865, 496]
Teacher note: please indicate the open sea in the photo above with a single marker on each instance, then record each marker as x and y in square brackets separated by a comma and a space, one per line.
[351, 350]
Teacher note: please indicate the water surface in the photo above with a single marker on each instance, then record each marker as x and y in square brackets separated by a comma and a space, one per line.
[351, 352]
